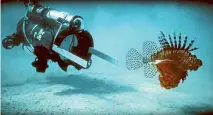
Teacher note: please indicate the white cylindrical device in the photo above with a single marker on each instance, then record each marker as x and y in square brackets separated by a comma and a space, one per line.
[66, 19]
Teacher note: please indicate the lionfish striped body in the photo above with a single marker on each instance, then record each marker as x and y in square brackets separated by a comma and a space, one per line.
[180, 54]
[175, 59]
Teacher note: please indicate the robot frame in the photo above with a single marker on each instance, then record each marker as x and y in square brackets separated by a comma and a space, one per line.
[53, 35]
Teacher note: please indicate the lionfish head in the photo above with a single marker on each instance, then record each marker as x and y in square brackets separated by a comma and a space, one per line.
[196, 64]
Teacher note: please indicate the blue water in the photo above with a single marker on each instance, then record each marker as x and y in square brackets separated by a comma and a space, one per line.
[105, 88]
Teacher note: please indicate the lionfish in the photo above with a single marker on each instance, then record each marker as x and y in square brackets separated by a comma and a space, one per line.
[171, 60]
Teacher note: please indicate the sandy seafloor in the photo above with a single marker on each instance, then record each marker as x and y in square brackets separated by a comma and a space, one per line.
[105, 89]
[99, 94]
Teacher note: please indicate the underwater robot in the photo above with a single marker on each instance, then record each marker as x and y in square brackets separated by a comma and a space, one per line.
[53, 35]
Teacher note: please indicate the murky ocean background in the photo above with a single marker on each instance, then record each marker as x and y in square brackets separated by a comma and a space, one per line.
[106, 89]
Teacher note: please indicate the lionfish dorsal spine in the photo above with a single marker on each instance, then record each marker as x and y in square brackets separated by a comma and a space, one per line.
[170, 39]
[185, 41]
[190, 45]
[193, 49]
[175, 40]
[179, 44]
[160, 41]
[165, 43]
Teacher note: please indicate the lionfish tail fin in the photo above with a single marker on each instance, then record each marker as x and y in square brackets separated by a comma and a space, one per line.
[163, 41]
[134, 60]
[149, 48]
[150, 70]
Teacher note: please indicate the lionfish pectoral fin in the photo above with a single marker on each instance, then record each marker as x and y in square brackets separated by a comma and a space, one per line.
[134, 59]
[150, 70]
